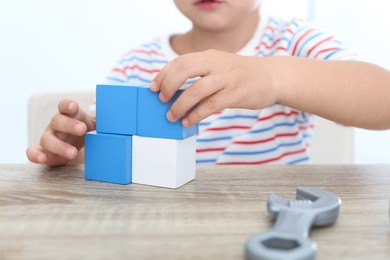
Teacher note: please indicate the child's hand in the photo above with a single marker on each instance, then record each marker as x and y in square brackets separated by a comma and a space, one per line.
[64, 136]
[227, 81]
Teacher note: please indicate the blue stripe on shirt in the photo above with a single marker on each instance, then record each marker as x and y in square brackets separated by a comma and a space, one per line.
[136, 77]
[303, 159]
[206, 161]
[271, 127]
[296, 34]
[115, 79]
[307, 41]
[235, 117]
[148, 45]
[265, 151]
[142, 60]
[332, 53]
[214, 139]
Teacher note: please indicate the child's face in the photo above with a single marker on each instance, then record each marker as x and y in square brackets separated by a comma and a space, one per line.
[217, 15]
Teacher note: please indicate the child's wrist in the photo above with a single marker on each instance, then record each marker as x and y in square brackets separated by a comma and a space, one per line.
[282, 78]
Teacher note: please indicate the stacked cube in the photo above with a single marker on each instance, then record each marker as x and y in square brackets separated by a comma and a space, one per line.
[134, 142]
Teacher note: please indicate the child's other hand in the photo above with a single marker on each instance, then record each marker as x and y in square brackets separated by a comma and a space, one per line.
[64, 136]
[227, 81]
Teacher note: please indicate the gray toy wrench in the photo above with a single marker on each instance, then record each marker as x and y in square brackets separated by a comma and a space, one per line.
[289, 237]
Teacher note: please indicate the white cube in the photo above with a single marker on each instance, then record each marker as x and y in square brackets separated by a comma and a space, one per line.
[163, 162]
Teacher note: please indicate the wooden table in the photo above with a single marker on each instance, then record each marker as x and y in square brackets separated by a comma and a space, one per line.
[56, 214]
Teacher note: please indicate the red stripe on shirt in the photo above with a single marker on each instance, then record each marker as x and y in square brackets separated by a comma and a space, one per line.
[271, 45]
[325, 50]
[270, 28]
[228, 128]
[299, 40]
[290, 31]
[268, 139]
[218, 149]
[149, 52]
[278, 114]
[281, 49]
[135, 67]
[317, 44]
[306, 127]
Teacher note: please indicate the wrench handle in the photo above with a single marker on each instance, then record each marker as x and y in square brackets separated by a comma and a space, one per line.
[288, 239]
[274, 246]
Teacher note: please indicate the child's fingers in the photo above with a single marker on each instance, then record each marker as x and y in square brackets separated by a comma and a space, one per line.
[184, 67]
[36, 155]
[194, 94]
[188, 66]
[155, 85]
[52, 144]
[68, 107]
[64, 124]
[207, 107]
[157, 81]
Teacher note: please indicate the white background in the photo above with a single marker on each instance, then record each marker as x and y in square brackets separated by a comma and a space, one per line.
[363, 26]
[50, 45]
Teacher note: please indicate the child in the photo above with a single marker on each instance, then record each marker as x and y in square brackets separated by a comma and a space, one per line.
[256, 76]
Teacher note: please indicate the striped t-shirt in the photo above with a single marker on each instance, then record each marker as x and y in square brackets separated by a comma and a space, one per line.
[274, 135]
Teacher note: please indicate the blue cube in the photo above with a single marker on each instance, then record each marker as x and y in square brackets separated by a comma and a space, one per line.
[108, 157]
[116, 109]
[152, 121]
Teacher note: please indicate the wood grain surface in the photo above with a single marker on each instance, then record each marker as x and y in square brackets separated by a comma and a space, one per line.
[53, 213]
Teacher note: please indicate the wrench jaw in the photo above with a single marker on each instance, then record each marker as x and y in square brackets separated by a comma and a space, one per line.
[327, 218]
[275, 246]
[320, 198]
[323, 204]
[274, 205]
[326, 205]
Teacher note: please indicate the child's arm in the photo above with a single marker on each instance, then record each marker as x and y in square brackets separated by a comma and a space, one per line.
[63, 140]
[348, 92]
